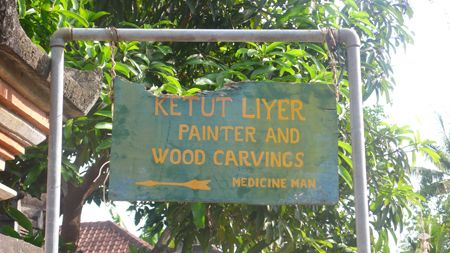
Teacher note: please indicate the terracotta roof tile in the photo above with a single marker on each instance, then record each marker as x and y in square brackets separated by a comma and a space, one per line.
[107, 237]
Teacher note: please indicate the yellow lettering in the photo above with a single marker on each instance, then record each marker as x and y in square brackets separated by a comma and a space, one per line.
[303, 183]
[251, 182]
[236, 182]
[172, 106]
[296, 106]
[287, 163]
[182, 128]
[158, 106]
[311, 183]
[216, 159]
[268, 107]
[250, 134]
[175, 152]
[299, 159]
[294, 135]
[244, 110]
[159, 157]
[190, 99]
[281, 109]
[243, 158]
[213, 135]
[256, 160]
[226, 130]
[204, 113]
[237, 133]
[275, 159]
[283, 136]
[230, 158]
[223, 100]
[244, 182]
[199, 157]
[275, 183]
[282, 183]
[194, 133]
[263, 182]
[270, 136]
[187, 153]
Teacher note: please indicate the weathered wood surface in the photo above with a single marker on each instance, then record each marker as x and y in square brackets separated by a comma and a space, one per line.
[19, 127]
[257, 143]
[15, 137]
[5, 154]
[6, 193]
[10, 144]
[20, 105]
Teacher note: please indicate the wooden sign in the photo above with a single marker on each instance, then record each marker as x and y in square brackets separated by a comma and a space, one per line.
[253, 142]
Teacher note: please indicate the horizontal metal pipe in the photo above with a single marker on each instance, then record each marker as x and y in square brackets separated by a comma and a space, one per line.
[195, 35]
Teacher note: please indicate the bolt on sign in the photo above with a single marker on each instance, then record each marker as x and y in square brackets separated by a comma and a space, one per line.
[251, 142]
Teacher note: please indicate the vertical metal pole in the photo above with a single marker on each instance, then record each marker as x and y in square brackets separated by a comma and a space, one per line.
[358, 148]
[55, 149]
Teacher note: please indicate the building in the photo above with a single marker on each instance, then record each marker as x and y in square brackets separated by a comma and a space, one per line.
[107, 237]
[25, 90]
[25, 107]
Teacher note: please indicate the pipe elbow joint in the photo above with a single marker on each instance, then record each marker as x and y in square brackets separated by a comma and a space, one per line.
[59, 37]
[349, 37]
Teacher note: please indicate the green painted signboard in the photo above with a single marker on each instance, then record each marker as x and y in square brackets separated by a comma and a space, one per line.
[252, 142]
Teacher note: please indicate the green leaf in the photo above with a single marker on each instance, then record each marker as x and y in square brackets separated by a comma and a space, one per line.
[163, 67]
[34, 174]
[346, 159]
[121, 68]
[359, 14]
[104, 125]
[241, 51]
[104, 113]
[19, 217]
[98, 15]
[82, 21]
[345, 146]
[104, 144]
[192, 91]
[431, 153]
[351, 3]
[128, 24]
[296, 52]
[272, 46]
[22, 6]
[343, 172]
[9, 231]
[265, 71]
[318, 49]
[198, 213]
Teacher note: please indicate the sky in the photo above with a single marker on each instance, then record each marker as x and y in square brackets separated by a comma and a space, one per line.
[423, 88]
[422, 71]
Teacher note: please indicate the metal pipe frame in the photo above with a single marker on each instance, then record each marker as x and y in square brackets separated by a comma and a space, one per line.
[347, 36]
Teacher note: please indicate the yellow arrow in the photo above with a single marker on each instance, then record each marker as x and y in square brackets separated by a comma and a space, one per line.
[193, 184]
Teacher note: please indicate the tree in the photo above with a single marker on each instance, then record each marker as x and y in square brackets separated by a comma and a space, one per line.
[182, 68]
[432, 232]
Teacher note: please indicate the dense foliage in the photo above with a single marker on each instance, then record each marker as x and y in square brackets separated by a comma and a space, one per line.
[432, 230]
[184, 68]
